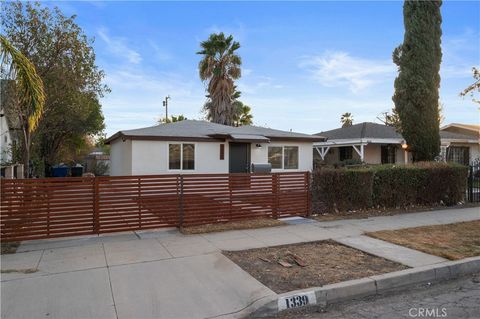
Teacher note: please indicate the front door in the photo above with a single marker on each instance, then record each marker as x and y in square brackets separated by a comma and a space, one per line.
[239, 157]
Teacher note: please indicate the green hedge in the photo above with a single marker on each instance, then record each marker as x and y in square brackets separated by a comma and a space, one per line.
[341, 189]
[388, 186]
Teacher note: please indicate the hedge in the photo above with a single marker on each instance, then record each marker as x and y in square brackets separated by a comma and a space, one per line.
[341, 189]
[388, 186]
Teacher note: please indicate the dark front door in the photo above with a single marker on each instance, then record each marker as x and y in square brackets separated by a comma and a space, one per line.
[239, 157]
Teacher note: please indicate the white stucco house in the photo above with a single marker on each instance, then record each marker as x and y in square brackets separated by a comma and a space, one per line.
[374, 143]
[200, 147]
[5, 139]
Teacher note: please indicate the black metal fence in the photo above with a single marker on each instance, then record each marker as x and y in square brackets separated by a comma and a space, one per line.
[473, 189]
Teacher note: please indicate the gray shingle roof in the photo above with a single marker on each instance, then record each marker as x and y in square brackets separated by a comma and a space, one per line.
[207, 130]
[374, 130]
[361, 130]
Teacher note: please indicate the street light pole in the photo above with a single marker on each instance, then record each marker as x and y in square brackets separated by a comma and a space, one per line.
[165, 103]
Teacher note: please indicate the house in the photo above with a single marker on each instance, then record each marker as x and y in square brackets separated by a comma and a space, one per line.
[203, 147]
[374, 143]
[6, 139]
[97, 162]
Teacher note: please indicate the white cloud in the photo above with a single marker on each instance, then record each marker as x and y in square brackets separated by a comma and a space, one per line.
[335, 68]
[118, 46]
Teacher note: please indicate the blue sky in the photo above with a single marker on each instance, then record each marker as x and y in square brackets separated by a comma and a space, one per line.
[304, 63]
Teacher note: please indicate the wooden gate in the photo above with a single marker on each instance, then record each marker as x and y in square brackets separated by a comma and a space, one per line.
[56, 207]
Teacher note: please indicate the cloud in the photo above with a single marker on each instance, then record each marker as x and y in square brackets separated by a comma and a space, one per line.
[118, 46]
[336, 68]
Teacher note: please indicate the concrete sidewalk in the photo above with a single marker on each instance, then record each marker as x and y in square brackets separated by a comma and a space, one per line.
[164, 274]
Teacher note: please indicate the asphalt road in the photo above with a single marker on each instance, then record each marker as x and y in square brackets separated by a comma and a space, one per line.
[458, 299]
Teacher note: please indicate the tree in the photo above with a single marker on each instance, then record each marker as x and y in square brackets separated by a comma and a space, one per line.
[243, 114]
[30, 96]
[416, 94]
[391, 119]
[172, 119]
[65, 61]
[474, 87]
[346, 119]
[220, 66]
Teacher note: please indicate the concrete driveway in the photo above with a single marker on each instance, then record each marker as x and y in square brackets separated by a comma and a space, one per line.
[126, 279]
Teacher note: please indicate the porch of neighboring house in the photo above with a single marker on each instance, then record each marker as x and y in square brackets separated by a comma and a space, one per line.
[365, 152]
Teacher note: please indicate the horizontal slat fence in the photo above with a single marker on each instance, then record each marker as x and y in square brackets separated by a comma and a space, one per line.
[57, 207]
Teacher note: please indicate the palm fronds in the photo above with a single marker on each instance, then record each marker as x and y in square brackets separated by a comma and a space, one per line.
[29, 83]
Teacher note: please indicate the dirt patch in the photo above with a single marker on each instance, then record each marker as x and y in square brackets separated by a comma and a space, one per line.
[451, 241]
[9, 248]
[324, 262]
[243, 224]
[373, 212]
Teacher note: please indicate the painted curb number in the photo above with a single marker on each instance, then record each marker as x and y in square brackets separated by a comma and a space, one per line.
[297, 300]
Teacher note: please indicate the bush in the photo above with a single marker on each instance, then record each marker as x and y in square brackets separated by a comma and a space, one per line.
[341, 189]
[388, 186]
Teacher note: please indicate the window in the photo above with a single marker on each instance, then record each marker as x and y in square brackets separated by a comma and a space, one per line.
[458, 154]
[181, 156]
[222, 151]
[275, 156]
[389, 153]
[283, 157]
[345, 153]
[290, 157]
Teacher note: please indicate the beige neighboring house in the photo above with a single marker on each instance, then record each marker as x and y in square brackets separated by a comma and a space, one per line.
[374, 143]
[200, 147]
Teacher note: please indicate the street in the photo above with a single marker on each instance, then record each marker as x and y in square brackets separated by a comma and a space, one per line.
[459, 299]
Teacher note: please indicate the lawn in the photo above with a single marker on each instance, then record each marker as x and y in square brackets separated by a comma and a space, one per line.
[451, 241]
[309, 265]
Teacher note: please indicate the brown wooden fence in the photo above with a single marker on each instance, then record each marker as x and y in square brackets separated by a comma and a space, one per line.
[56, 207]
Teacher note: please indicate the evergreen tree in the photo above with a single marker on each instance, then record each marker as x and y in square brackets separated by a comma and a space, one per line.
[416, 94]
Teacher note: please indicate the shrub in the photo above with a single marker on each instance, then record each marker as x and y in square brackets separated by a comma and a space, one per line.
[388, 186]
[342, 189]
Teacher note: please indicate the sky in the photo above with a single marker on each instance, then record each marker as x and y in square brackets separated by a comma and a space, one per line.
[304, 63]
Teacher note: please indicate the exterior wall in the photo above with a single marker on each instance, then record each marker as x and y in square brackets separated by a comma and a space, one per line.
[139, 157]
[121, 157]
[5, 141]
[151, 157]
[259, 155]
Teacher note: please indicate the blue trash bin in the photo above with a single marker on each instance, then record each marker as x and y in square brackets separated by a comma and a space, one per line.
[60, 171]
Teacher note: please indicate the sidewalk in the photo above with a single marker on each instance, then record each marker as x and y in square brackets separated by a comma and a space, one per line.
[164, 274]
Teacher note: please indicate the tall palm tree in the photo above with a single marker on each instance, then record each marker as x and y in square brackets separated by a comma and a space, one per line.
[29, 89]
[243, 115]
[346, 119]
[220, 66]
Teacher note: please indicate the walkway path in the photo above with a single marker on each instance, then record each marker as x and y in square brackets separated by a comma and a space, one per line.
[163, 274]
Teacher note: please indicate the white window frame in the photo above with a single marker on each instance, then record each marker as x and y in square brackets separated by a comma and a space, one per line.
[283, 157]
[181, 169]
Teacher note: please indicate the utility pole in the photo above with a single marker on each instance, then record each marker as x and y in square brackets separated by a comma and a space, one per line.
[165, 103]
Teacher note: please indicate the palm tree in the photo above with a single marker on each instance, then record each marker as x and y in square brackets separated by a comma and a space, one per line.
[243, 115]
[346, 119]
[30, 93]
[220, 66]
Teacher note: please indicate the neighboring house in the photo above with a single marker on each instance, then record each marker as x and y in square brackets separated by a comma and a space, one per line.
[203, 147]
[460, 142]
[374, 143]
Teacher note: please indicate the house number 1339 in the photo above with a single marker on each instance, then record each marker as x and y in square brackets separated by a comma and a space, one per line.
[298, 300]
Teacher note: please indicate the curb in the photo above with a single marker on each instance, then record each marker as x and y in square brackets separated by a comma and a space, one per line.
[369, 286]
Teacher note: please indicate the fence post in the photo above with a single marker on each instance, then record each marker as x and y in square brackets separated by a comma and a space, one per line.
[96, 206]
[275, 195]
[470, 184]
[181, 209]
[309, 197]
